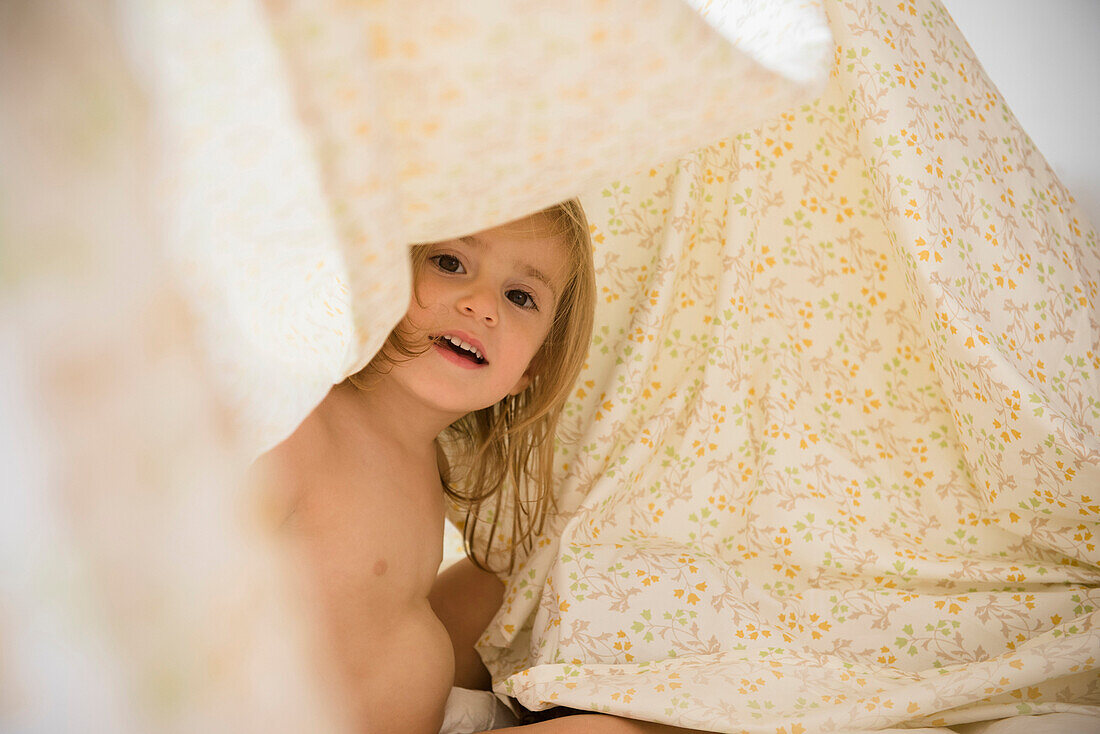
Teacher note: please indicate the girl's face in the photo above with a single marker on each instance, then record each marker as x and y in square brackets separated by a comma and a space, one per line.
[486, 303]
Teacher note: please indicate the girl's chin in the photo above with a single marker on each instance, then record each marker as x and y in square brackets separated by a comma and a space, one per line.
[471, 404]
[456, 400]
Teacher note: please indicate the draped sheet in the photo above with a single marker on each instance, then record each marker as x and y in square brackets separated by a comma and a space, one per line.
[832, 464]
[307, 143]
[834, 461]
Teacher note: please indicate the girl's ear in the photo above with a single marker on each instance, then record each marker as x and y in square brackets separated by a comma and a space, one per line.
[521, 385]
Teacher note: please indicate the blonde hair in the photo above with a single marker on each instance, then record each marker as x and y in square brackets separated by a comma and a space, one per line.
[501, 458]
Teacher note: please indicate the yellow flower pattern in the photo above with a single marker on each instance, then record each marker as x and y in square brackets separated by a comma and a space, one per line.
[833, 462]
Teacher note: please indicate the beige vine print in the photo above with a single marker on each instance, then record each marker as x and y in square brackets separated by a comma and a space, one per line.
[833, 463]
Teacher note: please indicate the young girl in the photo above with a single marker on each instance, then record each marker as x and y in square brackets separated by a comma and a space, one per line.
[495, 335]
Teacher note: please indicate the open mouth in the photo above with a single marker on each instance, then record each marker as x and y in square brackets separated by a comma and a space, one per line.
[461, 348]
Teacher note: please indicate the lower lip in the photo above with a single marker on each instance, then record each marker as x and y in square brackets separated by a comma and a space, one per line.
[450, 356]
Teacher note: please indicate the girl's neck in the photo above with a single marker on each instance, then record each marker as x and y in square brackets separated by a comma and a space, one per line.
[395, 415]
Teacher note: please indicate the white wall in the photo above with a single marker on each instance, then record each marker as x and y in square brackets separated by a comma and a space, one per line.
[1044, 57]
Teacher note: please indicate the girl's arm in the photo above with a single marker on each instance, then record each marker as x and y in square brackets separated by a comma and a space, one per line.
[466, 599]
[595, 724]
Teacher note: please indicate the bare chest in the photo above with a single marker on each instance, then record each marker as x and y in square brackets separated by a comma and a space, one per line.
[373, 524]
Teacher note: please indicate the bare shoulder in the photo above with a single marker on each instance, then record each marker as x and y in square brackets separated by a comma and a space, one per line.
[284, 472]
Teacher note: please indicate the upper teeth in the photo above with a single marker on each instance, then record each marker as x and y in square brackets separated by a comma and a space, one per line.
[462, 345]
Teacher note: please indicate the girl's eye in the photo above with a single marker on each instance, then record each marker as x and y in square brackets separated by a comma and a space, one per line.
[448, 263]
[523, 299]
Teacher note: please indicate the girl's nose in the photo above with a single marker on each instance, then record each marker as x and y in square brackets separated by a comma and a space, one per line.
[479, 303]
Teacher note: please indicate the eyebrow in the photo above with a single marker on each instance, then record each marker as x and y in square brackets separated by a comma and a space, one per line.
[529, 270]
